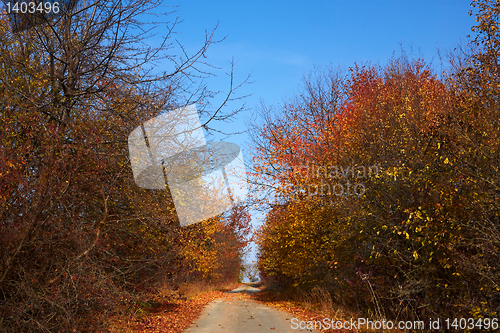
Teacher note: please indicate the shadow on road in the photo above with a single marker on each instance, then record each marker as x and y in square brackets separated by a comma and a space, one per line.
[240, 313]
[248, 288]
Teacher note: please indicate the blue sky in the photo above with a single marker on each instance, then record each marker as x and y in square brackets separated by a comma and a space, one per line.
[280, 41]
[277, 42]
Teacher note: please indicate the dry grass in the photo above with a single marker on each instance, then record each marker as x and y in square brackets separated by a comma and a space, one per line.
[315, 304]
[195, 288]
[172, 310]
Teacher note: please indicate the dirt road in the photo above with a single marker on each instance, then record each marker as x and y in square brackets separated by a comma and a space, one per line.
[241, 315]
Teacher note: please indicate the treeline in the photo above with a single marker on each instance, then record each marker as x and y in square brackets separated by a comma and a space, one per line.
[79, 240]
[418, 234]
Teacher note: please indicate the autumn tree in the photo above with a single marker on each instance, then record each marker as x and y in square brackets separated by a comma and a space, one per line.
[423, 224]
[474, 79]
[79, 239]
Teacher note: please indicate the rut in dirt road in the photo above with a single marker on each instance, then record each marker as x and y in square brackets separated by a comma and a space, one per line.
[241, 315]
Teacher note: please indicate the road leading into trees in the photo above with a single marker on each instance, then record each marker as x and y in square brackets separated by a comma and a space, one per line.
[241, 315]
